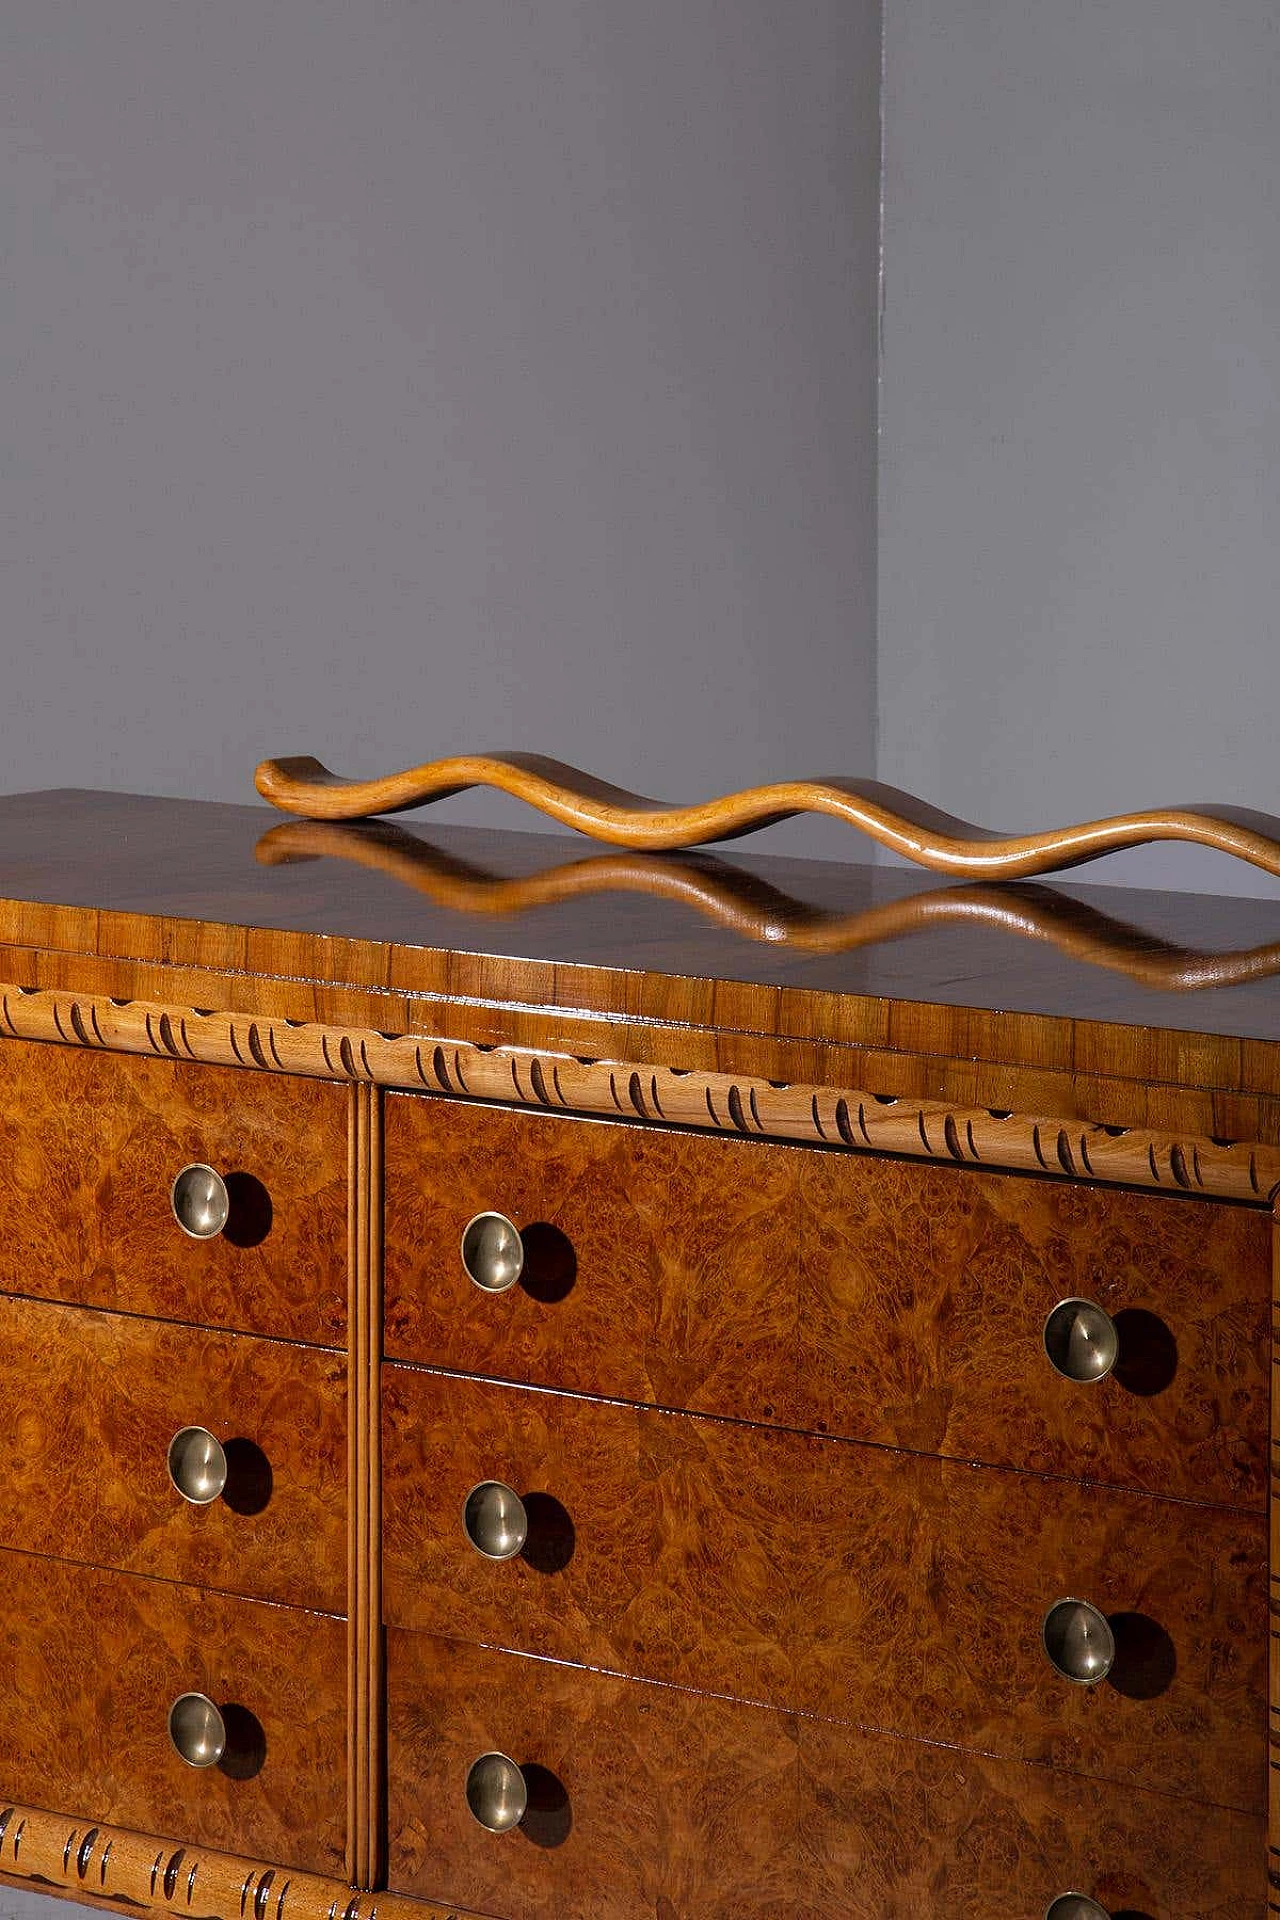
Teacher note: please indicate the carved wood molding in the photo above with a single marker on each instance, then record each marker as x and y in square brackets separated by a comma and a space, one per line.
[146, 1873]
[735, 1104]
[899, 821]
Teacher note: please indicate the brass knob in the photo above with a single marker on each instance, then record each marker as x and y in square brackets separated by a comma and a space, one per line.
[1081, 1340]
[1075, 1906]
[492, 1252]
[496, 1792]
[200, 1201]
[197, 1730]
[495, 1520]
[1079, 1642]
[197, 1465]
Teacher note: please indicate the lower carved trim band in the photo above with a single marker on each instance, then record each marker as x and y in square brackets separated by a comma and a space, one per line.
[144, 1873]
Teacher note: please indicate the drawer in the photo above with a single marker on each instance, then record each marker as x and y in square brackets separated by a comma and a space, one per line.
[97, 1488]
[90, 1664]
[836, 1579]
[90, 1144]
[876, 1299]
[658, 1266]
[925, 1328]
[647, 1800]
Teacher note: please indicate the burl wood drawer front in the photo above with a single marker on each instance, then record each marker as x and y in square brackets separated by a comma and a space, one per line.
[649, 1801]
[658, 1266]
[837, 1579]
[90, 1145]
[961, 1270]
[92, 1401]
[90, 1664]
[841, 1293]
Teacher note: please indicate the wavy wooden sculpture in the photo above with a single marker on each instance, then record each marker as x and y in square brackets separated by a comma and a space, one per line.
[749, 907]
[898, 821]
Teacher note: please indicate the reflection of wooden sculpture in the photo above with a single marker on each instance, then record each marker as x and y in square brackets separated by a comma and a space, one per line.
[898, 821]
[749, 906]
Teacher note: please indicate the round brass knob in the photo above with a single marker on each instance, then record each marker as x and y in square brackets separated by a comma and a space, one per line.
[197, 1465]
[1075, 1906]
[495, 1520]
[492, 1252]
[1079, 1642]
[197, 1730]
[496, 1792]
[200, 1201]
[1081, 1340]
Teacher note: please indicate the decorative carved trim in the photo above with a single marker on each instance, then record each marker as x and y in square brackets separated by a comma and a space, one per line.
[899, 821]
[754, 910]
[145, 1873]
[711, 1102]
[365, 1662]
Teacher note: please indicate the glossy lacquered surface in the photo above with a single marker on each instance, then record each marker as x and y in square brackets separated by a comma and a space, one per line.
[90, 1665]
[653, 1801]
[144, 868]
[872, 1298]
[94, 1401]
[90, 1145]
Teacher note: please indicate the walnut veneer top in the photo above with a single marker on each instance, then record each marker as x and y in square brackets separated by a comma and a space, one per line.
[119, 893]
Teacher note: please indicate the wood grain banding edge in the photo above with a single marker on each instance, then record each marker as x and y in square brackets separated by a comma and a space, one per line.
[730, 1104]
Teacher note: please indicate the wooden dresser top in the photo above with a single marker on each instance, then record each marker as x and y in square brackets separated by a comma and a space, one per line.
[548, 940]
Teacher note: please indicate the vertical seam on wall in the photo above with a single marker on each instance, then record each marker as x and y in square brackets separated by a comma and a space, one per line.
[878, 431]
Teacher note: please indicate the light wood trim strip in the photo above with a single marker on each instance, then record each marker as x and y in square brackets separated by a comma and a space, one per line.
[145, 1873]
[355, 1536]
[365, 1763]
[898, 821]
[736, 1104]
[370, 1308]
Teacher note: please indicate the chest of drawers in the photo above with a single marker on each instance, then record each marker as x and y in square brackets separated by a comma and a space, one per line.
[650, 1421]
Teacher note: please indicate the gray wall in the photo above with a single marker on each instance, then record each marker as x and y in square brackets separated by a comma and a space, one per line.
[390, 378]
[383, 380]
[1080, 480]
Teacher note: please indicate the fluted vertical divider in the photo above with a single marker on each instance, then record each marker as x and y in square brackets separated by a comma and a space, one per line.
[365, 1739]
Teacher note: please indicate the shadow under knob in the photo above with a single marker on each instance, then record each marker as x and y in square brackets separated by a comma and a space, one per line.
[1075, 1906]
[492, 1252]
[1081, 1341]
[495, 1520]
[200, 1201]
[1079, 1642]
[197, 1465]
[496, 1792]
[197, 1730]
